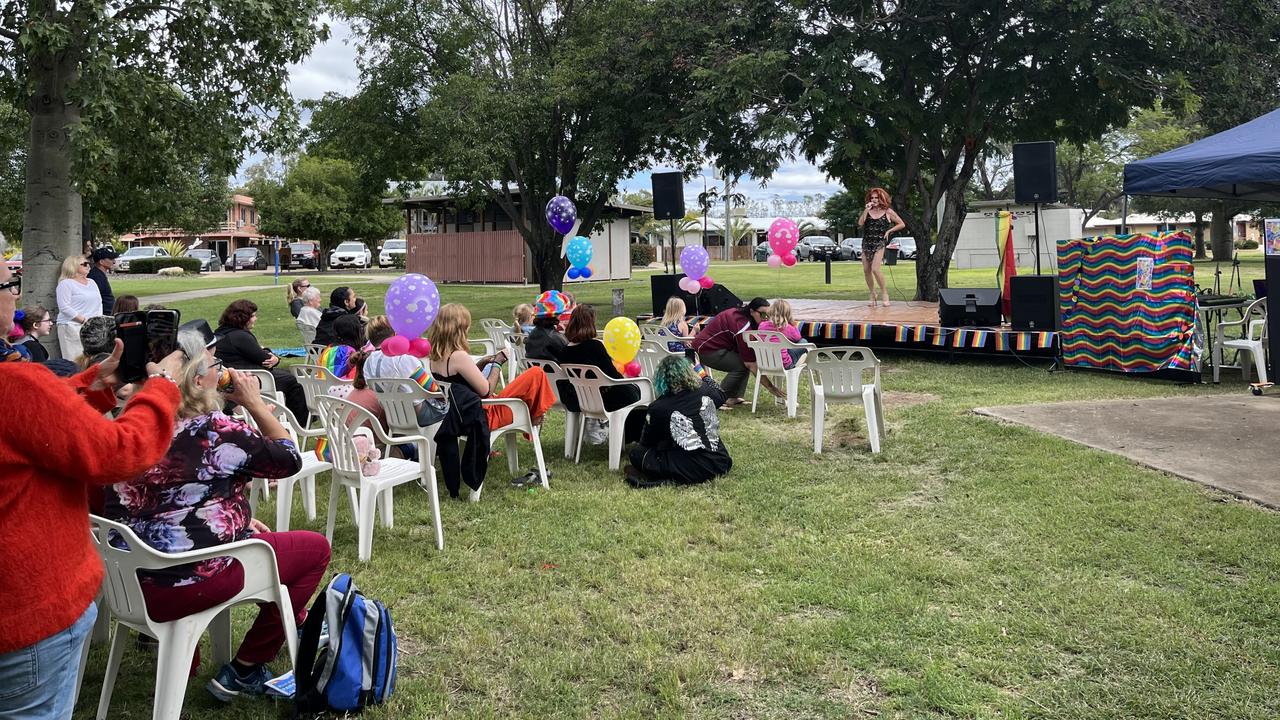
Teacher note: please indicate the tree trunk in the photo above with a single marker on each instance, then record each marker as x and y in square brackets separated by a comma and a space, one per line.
[544, 251]
[1200, 250]
[1220, 234]
[51, 225]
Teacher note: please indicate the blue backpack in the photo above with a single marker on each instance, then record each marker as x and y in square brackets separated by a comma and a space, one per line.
[347, 651]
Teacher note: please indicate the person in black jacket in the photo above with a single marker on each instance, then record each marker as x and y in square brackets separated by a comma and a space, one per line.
[342, 301]
[238, 348]
[681, 442]
[104, 261]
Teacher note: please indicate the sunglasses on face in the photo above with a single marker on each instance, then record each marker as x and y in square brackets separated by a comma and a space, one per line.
[14, 286]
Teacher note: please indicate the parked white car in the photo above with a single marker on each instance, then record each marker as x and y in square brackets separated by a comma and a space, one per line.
[351, 254]
[389, 250]
[137, 252]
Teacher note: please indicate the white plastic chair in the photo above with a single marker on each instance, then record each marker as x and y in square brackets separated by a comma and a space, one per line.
[399, 398]
[316, 381]
[516, 363]
[305, 478]
[521, 421]
[651, 353]
[313, 351]
[587, 382]
[768, 346]
[341, 419]
[838, 374]
[308, 332]
[572, 419]
[178, 639]
[267, 381]
[1253, 341]
[497, 332]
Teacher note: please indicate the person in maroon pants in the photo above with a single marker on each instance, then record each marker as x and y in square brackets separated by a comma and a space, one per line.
[196, 497]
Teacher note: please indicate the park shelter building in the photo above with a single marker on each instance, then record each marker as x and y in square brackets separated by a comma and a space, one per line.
[451, 244]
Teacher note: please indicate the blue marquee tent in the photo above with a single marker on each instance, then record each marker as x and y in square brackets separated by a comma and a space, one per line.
[1242, 163]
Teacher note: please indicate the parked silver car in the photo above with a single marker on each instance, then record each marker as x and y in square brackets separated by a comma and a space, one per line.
[209, 260]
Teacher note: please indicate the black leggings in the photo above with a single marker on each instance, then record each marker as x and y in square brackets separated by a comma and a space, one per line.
[469, 466]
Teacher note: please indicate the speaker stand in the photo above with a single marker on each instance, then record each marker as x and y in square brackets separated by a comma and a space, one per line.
[673, 246]
[1037, 238]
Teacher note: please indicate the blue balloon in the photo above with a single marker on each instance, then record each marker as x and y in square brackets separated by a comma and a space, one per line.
[578, 251]
[584, 273]
[574, 273]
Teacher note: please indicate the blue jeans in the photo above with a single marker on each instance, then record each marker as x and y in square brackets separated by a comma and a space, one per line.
[38, 682]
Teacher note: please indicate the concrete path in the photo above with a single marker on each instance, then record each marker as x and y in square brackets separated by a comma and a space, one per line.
[1228, 442]
[329, 281]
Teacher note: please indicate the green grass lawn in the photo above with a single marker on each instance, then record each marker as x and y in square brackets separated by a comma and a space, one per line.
[972, 569]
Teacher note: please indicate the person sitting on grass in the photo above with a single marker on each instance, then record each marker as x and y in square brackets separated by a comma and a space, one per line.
[196, 497]
[470, 381]
[681, 442]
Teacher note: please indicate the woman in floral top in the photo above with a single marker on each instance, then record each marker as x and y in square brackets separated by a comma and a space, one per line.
[197, 497]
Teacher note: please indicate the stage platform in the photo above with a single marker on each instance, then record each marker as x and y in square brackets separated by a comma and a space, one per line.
[911, 326]
[908, 326]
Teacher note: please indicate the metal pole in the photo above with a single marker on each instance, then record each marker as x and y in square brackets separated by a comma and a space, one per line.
[1124, 216]
[1037, 238]
[673, 246]
[828, 269]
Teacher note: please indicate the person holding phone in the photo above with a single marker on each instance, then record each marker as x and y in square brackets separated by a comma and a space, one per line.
[56, 448]
[196, 496]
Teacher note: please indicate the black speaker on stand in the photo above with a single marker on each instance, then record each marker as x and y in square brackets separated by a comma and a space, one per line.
[668, 203]
[1035, 178]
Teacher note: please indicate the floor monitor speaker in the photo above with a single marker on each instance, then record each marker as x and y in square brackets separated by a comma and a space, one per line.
[668, 196]
[707, 302]
[1035, 172]
[979, 307]
[1033, 302]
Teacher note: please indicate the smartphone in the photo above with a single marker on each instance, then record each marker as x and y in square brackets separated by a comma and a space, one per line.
[147, 337]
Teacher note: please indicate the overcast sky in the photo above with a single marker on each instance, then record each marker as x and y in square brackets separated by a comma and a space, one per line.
[332, 68]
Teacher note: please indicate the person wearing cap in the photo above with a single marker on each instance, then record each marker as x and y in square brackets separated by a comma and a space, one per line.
[545, 342]
[104, 261]
[722, 345]
[47, 555]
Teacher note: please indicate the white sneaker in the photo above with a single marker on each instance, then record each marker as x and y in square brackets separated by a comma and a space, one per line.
[475, 494]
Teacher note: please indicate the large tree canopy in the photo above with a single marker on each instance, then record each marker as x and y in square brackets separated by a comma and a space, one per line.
[520, 101]
[910, 95]
[129, 97]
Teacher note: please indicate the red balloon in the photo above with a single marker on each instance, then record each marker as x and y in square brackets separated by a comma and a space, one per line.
[632, 369]
[706, 282]
[419, 347]
[788, 260]
[395, 345]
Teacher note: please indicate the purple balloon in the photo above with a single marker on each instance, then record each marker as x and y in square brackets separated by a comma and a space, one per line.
[561, 214]
[412, 303]
[694, 260]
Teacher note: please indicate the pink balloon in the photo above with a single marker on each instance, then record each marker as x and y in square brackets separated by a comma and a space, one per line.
[784, 234]
[419, 347]
[395, 345]
[690, 285]
[706, 282]
[632, 369]
[775, 260]
[788, 260]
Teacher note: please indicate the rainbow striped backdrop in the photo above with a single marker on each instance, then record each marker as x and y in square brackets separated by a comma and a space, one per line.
[1109, 322]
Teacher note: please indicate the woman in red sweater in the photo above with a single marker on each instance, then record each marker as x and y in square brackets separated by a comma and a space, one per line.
[50, 453]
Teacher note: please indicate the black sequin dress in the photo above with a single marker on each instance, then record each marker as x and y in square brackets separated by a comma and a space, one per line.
[873, 234]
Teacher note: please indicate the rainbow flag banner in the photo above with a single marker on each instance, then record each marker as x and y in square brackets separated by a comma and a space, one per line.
[918, 333]
[959, 337]
[1002, 341]
[900, 333]
[939, 335]
[1128, 303]
[979, 338]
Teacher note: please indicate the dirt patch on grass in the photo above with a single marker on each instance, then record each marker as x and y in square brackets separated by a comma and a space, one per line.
[894, 399]
[862, 695]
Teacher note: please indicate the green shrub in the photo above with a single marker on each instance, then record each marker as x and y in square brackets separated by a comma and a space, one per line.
[149, 266]
[1247, 244]
[398, 261]
[642, 255]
